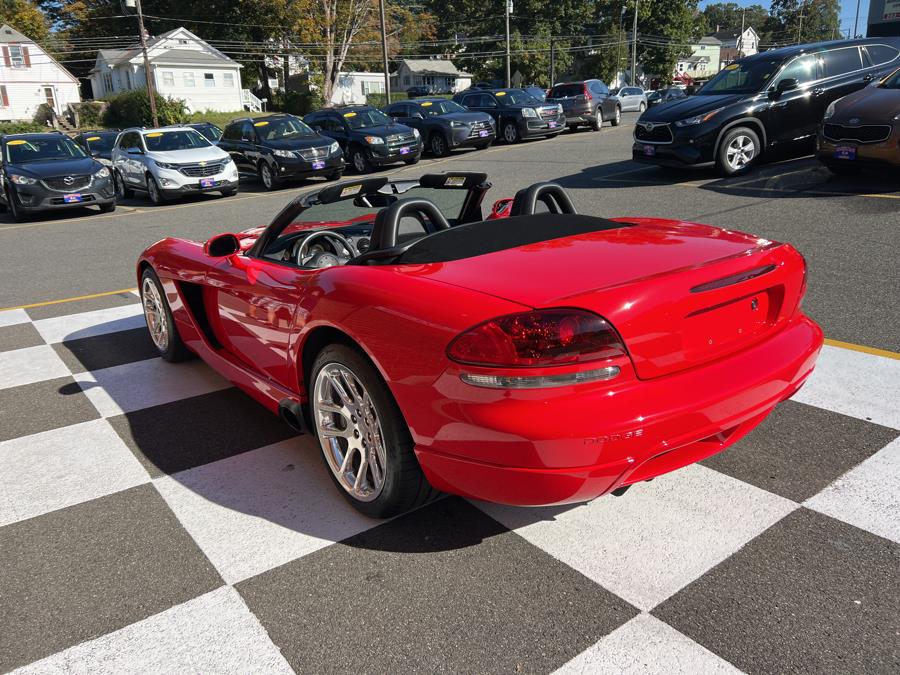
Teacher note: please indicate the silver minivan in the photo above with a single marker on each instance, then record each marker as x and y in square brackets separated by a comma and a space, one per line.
[632, 98]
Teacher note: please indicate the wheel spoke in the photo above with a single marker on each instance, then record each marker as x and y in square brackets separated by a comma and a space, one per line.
[345, 462]
[361, 473]
[331, 431]
[328, 406]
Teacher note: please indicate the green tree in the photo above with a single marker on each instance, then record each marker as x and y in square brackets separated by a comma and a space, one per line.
[729, 16]
[26, 18]
[666, 29]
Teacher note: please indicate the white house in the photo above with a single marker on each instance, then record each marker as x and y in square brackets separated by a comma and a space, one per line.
[438, 73]
[354, 88]
[183, 67]
[29, 77]
[747, 43]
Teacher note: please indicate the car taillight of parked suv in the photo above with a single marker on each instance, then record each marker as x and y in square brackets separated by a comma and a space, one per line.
[755, 105]
[586, 103]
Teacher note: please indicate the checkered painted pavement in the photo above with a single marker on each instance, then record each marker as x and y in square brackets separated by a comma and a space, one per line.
[154, 519]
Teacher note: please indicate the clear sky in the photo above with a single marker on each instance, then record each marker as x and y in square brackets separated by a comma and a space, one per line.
[848, 12]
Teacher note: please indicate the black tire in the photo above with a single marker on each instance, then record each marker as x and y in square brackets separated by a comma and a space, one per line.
[412, 160]
[483, 146]
[572, 128]
[175, 349]
[122, 190]
[154, 191]
[405, 486]
[842, 170]
[642, 107]
[108, 208]
[267, 177]
[14, 210]
[511, 133]
[360, 161]
[617, 118]
[597, 121]
[437, 145]
[334, 175]
[230, 192]
[733, 137]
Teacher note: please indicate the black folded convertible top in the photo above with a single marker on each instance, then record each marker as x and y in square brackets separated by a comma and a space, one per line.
[489, 236]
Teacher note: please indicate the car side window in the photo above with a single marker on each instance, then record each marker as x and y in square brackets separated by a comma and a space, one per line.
[247, 132]
[802, 69]
[488, 101]
[881, 54]
[841, 61]
[232, 132]
[469, 101]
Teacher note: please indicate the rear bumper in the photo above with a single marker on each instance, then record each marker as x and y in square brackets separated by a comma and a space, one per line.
[572, 444]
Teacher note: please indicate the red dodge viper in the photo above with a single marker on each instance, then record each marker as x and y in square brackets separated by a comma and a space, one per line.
[536, 356]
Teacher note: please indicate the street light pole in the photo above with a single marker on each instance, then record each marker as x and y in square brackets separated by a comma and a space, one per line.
[634, 46]
[148, 76]
[856, 20]
[384, 53]
[619, 44]
[508, 10]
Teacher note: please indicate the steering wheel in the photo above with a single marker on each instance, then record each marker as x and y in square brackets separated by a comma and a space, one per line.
[325, 259]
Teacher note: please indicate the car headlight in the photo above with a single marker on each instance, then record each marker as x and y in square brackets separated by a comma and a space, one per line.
[283, 153]
[698, 119]
[334, 148]
[102, 173]
[529, 112]
[22, 180]
[165, 165]
[416, 132]
[456, 125]
[375, 140]
[559, 108]
[829, 111]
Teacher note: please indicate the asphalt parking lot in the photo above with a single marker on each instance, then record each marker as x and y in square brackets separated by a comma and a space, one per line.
[132, 541]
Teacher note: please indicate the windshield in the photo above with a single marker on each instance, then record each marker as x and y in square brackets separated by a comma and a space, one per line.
[22, 151]
[653, 95]
[363, 119]
[517, 97]
[747, 77]
[893, 82]
[567, 90]
[101, 142]
[434, 108]
[281, 128]
[164, 141]
[210, 132]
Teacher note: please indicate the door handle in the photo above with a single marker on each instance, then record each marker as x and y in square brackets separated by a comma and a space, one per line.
[818, 91]
[778, 105]
[868, 77]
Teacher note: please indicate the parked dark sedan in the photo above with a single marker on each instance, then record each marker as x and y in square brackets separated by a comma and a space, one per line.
[368, 137]
[98, 143]
[420, 90]
[444, 124]
[586, 102]
[280, 147]
[48, 172]
[518, 115]
[661, 96]
[210, 131]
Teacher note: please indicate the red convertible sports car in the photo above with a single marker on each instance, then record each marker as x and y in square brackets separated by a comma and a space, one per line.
[535, 356]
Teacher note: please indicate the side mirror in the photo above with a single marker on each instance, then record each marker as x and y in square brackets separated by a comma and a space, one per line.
[317, 129]
[135, 151]
[222, 246]
[787, 84]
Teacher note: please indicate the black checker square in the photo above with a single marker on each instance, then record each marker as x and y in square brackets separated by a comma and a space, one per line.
[106, 350]
[41, 406]
[443, 589]
[811, 594]
[19, 336]
[93, 568]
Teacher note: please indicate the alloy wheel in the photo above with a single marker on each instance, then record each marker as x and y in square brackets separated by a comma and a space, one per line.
[740, 152]
[349, 432]
[642, 107]
[510, 134]
[359, 162]
[618, 115]
[437, 145]
[266, 174]
[155, 314]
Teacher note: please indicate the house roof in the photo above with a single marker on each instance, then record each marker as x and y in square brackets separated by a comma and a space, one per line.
[189, 56]
[115, 57]
[434, 67]
[731, 34]
[10, 34]
[696, 59]
[710, 40]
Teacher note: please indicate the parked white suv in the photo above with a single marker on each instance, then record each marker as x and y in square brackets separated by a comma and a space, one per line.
[171, 162]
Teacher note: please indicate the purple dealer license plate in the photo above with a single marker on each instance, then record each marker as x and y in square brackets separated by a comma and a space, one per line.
[207, 183]
[483, 133]
[649, 150]
[72, 198]
[318, 164]
[845, 152]
[552, 125]
[404, 151]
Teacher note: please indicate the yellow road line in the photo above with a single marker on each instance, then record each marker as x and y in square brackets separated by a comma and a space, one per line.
[92, 296]
[863, 348]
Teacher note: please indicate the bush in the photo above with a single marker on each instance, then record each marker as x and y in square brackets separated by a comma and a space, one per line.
[297, 102]
[132, 109]
[90, 114]
[23, 128]
[43, 114]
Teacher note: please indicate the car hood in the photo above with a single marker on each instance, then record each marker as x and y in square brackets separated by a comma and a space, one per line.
[385, 130]
[465, 117]
[872, 104]
[688, 107]
[312, 141]
[210, 154]
[57, 167]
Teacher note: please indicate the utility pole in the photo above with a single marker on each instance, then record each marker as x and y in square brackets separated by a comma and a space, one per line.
[634, 46]
[509, 9]
[384, 53]
[148, 76]
[552, 62]
[619, 44]
[800, 25]
[856, 20]
[741, 47]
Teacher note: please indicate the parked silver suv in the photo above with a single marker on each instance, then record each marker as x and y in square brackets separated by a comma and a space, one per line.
[171, 162]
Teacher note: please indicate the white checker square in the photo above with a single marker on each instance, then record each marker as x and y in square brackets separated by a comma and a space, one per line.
[90, 324]
[58, 468]
[31, 364]
[214, 633]
[260, 509]
[657, 538]
[12, 317]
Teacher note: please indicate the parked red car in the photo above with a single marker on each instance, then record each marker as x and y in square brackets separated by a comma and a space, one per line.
[539, 358]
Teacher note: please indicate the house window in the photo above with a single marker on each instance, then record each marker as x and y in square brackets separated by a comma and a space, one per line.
[209, 80]
[16, 57]
[168, 78]
[4, 98]
[128, 79]
[372, 88]
[428, 80]
[228, 80]
[107, 82]
[406, 79]
[188, 79]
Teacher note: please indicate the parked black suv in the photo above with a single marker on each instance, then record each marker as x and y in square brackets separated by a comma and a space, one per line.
[368, 137]
[210, 131]
[668, 95]
[444, 125]
[47, 172]
[280, 147]
[517, 113]
[586, 102]
[770, 100]
[98, 143]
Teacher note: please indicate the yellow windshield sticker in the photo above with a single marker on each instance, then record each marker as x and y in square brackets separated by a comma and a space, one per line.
[732, 66]
[260, 124]
[501, 93]
[16, 142]
[350, 190]
[94, 138]
[153, 134]
[425, 104]
[350, 114]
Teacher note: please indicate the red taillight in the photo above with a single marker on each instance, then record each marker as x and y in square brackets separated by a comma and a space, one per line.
[549, 337]
[587, 93]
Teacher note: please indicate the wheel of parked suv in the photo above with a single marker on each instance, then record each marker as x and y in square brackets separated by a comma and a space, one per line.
[108, 208]
[229, 193]
[364, 439]
[642, 107]
[155, 192]
[737, 151]
[159, 320]
[267, 177]
[483, 146]
[412, 160]
[14, 210]
[617, 118]
[437, 144]
[359, 160]
[511, 132]
[597, 122]
[334, 175]
[122, 190]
